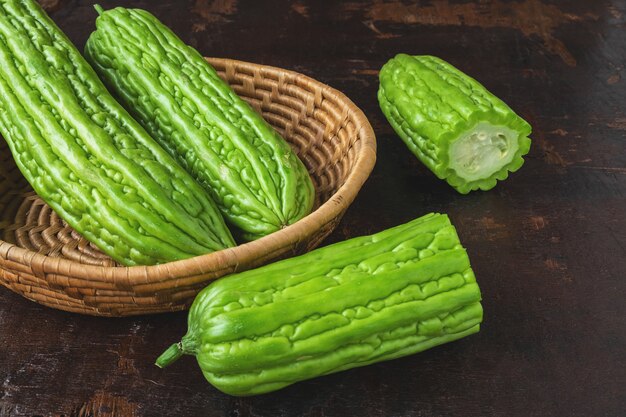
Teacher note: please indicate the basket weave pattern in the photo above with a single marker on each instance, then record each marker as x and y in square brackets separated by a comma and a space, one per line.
[45, 260]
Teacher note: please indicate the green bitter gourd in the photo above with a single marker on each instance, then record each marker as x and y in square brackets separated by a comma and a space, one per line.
[350, 304]
[458, 129]
[87, 158]
[255, 177]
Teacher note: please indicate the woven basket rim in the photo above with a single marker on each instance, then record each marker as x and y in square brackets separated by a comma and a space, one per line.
[290, 235]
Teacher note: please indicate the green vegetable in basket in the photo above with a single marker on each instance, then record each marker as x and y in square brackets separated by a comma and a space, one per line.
[87, 158]
[350, 304]
[458, 129]
[255, 177]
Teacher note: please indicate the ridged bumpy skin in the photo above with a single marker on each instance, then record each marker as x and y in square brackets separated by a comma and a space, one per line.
[87, 158]
[255, 177]
[458, 129]
[357, 302]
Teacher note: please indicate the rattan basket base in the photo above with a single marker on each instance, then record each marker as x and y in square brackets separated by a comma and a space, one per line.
[45, 260]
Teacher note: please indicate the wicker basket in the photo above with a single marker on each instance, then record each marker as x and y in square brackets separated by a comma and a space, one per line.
[46, 261]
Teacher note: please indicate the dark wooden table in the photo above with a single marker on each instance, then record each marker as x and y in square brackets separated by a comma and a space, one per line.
[548, 245]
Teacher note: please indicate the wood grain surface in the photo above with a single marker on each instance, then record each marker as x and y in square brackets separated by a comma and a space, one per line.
[548, 245]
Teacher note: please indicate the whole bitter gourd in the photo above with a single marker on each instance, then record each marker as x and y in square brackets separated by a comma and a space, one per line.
[87, 158]
[357, 302]
[255, 177]
[458, 129]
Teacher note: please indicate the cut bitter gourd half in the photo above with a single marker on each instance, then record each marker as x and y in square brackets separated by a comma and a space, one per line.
[453, 124]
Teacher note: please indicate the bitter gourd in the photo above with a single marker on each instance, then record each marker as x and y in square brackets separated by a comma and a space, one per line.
[350, 304]
[87, 158]
[255, 177]
[458, 129]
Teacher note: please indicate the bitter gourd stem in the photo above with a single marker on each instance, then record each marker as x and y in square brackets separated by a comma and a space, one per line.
[98, 8]
[171, 355]
[187, 346]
